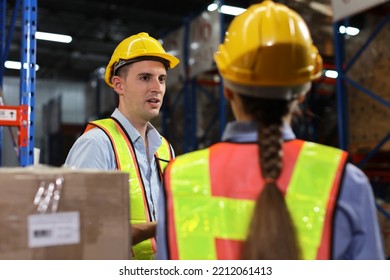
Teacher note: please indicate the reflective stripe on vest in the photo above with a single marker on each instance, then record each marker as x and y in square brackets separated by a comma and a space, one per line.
[209, 207]
[126, 161]
[163, 155]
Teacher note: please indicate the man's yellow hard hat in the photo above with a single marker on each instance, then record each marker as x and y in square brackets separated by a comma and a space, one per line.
[138, 45]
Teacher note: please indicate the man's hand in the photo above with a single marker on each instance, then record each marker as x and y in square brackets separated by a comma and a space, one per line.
[143, 231]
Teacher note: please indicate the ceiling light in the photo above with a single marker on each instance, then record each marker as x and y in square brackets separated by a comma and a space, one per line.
[230, 10]
[194, 45]
[226, 9]
[212, 7]
[17, 65]
[53, 37]
[349, 30]
[331, 74]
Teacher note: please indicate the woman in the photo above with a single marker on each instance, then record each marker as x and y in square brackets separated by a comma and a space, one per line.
[261, 193]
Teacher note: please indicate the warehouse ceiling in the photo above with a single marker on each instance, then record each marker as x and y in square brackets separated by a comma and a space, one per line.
[97, 26]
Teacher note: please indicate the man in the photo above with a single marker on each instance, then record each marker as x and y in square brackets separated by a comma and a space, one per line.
[127, 141]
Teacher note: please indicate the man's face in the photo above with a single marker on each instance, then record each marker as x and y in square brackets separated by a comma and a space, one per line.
[141, 92]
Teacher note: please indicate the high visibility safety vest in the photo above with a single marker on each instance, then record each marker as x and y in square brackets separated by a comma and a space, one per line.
[126, 160]
[211, 193]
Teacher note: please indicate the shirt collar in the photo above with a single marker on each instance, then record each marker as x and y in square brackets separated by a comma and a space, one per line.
[154, 138]
[247, 132]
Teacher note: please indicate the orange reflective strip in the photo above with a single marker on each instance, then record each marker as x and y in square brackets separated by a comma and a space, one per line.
[228, 249]
[221, 164]
[89, 127]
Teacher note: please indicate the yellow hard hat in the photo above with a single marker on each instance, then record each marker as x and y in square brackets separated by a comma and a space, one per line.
[135, 46]
[268, 45]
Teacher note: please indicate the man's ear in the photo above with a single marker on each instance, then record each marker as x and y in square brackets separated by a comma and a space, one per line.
[228, 94]
[117, 83]
[301, 98]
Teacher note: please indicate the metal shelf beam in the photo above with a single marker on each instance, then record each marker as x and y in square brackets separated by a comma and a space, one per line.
[26, 111]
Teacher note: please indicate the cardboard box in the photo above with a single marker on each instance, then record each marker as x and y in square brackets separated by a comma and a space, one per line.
[60, 213]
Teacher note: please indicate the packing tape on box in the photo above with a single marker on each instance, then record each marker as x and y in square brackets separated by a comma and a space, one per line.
[48, 195]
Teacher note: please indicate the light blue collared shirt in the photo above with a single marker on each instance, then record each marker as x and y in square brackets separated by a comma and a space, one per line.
[356, 229]
[93, 150]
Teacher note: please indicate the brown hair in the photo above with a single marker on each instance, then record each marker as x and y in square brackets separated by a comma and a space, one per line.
[271, 233]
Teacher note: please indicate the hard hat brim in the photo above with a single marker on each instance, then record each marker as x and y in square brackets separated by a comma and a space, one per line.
[173, 62]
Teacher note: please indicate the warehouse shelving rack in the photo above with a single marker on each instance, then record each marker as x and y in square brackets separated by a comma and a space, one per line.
[342, 68]
[185, 98]
[188, 96]
[343, 77]
[21, 116]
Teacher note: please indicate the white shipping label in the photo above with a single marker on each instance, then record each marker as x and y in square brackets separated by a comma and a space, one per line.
[8, 115]
[53, 229]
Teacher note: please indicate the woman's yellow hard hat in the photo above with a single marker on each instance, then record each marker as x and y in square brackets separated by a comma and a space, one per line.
[268, 45]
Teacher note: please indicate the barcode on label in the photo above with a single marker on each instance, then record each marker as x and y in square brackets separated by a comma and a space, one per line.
[42, 233]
